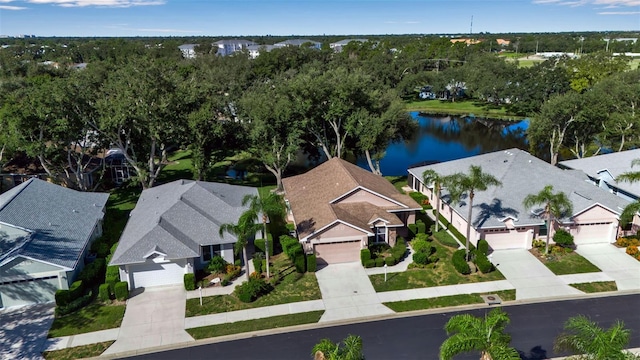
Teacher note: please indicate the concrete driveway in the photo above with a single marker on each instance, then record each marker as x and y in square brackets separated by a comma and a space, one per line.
[154, 317]
[529, 276]
[23, 331]
[613, 261]
[347, 293]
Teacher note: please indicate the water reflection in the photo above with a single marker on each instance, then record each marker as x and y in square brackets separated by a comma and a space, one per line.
[444, 138]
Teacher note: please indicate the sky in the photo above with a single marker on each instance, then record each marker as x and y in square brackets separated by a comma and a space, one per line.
[311, 17]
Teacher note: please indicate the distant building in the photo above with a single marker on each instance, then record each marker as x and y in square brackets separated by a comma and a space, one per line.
[466, 41]
[188, 50]
[298, 43]
[255, 50]
[337, 46]
[230, 46]
[503, 42]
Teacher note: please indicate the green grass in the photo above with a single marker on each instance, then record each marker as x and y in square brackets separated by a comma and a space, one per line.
[398, 182]
[446, 301]
[571, 263]
[93, 317]
[445, 239]
[634, 64]
[596, 286]
[460, 108]
[294, 287]
[273, 322]
[78, 352]
[179, 167]
[442, 274]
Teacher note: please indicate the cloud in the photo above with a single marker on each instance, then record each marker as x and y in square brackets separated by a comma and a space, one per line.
[8, 7]
[99, 3]
[619, 13]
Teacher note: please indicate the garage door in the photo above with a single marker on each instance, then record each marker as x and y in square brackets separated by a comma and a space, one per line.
[340, 252]
[157, 274]
[592, 234]
[28, 292]
[509, 239]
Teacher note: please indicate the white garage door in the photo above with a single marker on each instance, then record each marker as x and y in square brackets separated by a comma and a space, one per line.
[592, 234]
[340, 252]
[510, 239]
[28, 292]
[157, 274]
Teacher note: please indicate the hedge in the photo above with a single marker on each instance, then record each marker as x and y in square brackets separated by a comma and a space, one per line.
[93, 273]
[257, 263]
[121, 289]
[311, 263]
[260, 246]
[563, 238]
[101, 247]
[421, 258]
[413, 229]
[63, 297]
[459, 262]
[76, 290]
[112, 276]
[421, 227]
[252, 289]
[420, 244]
[379, 262]
[483, 247]
[74, 305]
[390, 261]
[290, 246]
[370, 263]
[300, 261]
[365, 255]
[103, 292]
[189, 281]
[483, 263]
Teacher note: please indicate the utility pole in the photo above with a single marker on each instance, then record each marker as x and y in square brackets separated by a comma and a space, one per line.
[471, 28]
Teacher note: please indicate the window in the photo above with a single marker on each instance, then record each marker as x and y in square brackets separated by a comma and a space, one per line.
[542, 231]
[380, 234]
[206, 253]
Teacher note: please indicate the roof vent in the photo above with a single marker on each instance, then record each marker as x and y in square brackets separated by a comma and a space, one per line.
[505, 160]
[75, 211]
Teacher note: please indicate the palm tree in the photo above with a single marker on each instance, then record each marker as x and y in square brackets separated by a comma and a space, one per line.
[630, 210]
[351, 349]
[461, 183]
[583, 336]
[555, 206]
[430, 176]
[268, 207]
[469, 333]
[246, 227]
[630, 176]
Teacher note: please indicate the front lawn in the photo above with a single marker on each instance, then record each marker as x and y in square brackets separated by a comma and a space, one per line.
[78, 352]
[294, 287]
[565, 263]
[273, 322]
[398, 182]
[461, 107]
[596, 286]
[93, 317]
[442, 274]
[446, 301]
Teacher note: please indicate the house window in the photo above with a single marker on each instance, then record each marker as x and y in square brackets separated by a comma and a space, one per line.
[542, 231]
[380, 234]
[209, 251]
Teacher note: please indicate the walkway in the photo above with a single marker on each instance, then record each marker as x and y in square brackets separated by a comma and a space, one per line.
[614, 262]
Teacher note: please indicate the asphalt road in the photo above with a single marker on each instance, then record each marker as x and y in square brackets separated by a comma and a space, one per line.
[533, 328]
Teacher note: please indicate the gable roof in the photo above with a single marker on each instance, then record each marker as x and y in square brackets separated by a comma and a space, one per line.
[521, 174]
[179, 217]
[615, 164]
[60, 221]
[297, 42]
[311, 196]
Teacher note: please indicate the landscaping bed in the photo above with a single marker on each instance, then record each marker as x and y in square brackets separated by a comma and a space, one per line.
[93, 317]
[563, 262]
[78, 352]
[446, 301]
[438, 274]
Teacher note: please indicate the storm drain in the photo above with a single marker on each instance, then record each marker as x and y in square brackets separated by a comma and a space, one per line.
[491, 299]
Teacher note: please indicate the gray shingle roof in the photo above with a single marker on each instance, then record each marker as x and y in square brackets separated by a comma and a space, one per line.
[615, 164]
[521, 174]
[61, 220]
[178, 217]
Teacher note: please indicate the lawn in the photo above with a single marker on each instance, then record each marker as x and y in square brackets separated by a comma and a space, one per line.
[596, 286]
[294, 287]
[78, 352]
[93, 317]
[563, 264]
[273, 322]
[460, 108]
[446, 301]
[442, 274]
[398, 182]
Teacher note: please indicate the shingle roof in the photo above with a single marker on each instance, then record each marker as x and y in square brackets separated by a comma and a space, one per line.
[311, 194]
[615, 164]
[297, 42]
[178, 217]
[521, 174]
[61, 220]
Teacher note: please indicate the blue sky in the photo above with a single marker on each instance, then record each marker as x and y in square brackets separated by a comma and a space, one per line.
[310, 17]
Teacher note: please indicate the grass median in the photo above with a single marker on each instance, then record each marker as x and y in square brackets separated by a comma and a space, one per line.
[446, 301]
[565, 263]
[78, 352]
[596, 286]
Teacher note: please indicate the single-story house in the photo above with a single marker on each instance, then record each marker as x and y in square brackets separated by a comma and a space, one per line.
[174, 229]
[339, 208]
[298, 43]
[338, 45]
[603, 170]
[46, 231]
[499, 215]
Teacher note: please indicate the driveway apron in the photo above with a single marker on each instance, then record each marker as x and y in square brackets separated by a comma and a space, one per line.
[613, 261]
[23, 331]
[347, 293]
[154, 317]
[529, 276]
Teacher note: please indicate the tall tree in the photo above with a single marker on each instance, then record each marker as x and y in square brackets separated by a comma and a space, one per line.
[349, 349]
[243, 230]
[589, 341]
[268, 207]
[430, 176]
[556, 205]
[461, 183]
[621, 94]
[589, 69]
[632, 209]
[487, 335]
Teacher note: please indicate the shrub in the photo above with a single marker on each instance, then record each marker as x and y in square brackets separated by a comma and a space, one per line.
[63, 297]
[257, 263]
[93, 273]
[413, 229]
[379, 262]
[483, 247]
[101, 247]
[445, 239]
[379, 248]
[300, 261]
[260, 244]
[311, 263]
[288, 243]
[74, 305]
[483, 263]
[419, 197]
[421, 258]
[370, 263]
[122, 290]
[563, 238]
[460, 263]
[217, 264]
[252, 289]
[189, 282]
[421, 227]
[112, 277]
[390, 261]
[626, 241]
[103, 292]
[365, 255]
[421, 245]
[76, 290]
[632, 250]
[538, 244]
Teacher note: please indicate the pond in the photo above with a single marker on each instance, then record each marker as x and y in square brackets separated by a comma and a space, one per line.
[444, 138]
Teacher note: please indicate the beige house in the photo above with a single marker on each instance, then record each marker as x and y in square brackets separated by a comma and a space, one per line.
[339, 208]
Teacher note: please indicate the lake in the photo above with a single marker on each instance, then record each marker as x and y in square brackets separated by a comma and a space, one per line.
[444, 138]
